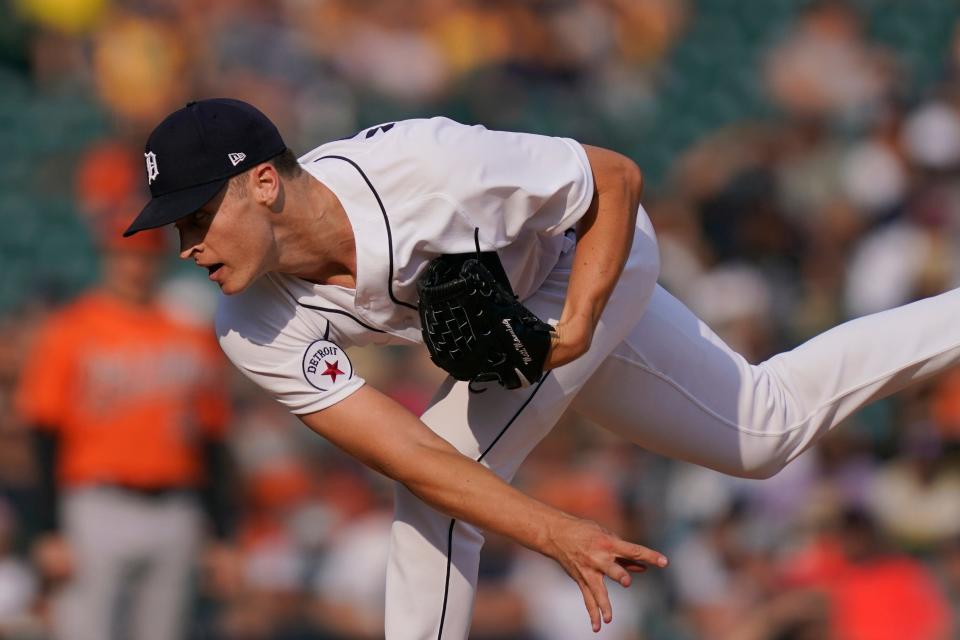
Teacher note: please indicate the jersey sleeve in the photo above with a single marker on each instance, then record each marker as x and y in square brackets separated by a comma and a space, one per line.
[502, 181]
[44, 390]
[289, 353]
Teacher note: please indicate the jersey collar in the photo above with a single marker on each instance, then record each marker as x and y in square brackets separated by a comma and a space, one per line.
[374, 298]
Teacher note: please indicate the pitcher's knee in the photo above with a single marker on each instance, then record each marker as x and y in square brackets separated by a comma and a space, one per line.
[767, 437]
[762, 460]
[762, 469]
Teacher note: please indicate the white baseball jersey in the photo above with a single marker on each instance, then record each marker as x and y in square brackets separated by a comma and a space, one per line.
[412, 190]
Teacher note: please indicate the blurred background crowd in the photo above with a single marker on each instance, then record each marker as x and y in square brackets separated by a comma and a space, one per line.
[802, 164]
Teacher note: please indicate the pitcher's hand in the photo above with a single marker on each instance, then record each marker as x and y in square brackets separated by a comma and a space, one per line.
[53, 557]
[588, 553]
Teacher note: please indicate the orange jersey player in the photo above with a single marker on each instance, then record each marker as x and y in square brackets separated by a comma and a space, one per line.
[129, 411]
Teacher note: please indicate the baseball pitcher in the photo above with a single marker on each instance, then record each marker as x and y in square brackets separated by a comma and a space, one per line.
[528, 268]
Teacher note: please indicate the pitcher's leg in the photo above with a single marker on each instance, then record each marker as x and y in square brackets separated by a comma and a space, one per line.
[675, 388]
[432, 571]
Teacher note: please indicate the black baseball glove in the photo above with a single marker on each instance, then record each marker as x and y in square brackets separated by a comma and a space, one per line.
[475, 327]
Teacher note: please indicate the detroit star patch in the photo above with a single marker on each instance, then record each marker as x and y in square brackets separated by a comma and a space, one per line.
[326, 366]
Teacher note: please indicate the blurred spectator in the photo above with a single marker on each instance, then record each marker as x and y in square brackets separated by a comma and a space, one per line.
[948, 569]
[828, 35]
[847, 467]
[389, 52]
[723, 571]
[139, 64]
[647, 29]
[68, 16]
[874, 282]
[931, 136]
[108, 175]
[916, 497]
[874, 177]
[129, 414]
[945, 407]
[873, 592]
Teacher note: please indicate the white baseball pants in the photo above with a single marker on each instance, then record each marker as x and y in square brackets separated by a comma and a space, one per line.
[662, 379]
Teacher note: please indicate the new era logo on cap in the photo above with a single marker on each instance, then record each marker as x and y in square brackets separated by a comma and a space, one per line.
[236, 158]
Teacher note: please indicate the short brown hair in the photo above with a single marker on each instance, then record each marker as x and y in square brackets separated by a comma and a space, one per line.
[286, 164]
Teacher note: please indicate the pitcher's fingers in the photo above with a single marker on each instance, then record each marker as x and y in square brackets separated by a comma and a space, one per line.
[618, 573]
[631, 565]
[591, 604]
[603, 599]
[630, 551]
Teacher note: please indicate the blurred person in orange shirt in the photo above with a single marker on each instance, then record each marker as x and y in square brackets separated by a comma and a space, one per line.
[873, 592]
[128, 410]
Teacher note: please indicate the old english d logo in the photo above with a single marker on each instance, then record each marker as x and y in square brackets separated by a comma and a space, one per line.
[152, 171]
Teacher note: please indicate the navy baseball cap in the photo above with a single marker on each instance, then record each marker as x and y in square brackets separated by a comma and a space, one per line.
[192, 154]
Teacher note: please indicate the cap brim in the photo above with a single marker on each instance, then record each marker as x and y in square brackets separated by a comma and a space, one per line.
[170, 207]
